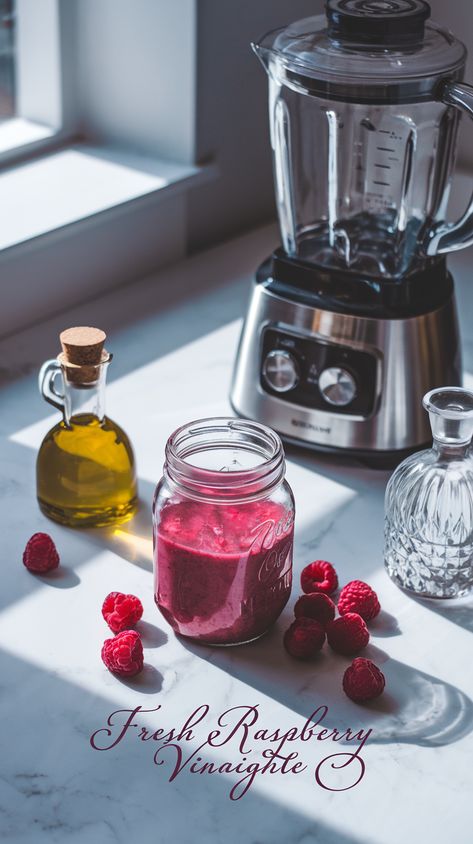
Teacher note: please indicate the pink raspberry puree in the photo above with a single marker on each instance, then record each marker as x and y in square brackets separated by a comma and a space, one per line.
[223, 571]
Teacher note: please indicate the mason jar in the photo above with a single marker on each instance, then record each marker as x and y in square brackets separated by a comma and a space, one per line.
[223, 527]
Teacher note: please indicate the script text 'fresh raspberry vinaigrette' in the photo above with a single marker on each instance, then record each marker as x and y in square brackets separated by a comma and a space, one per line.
[223, 531]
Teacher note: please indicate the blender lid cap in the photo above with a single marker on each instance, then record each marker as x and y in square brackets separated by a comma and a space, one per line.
[378, 21]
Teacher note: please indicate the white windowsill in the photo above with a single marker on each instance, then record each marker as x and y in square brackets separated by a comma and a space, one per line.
[18, 133]
[65, 187]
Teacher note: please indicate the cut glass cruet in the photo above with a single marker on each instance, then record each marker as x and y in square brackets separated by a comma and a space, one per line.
[429, 504]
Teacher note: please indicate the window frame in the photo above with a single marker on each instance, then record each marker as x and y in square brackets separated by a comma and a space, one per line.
[40, 122]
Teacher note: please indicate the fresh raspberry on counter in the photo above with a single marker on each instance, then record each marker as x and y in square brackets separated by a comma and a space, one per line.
[124, 653]
[121, 611]
[319, 576]
[40, 554]
[316, 605]
[358, 597]
[348, 634]
[304, 638]
[363, 680]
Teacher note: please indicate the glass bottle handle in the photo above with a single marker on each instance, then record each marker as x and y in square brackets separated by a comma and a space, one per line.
[450, 237]
[47, 378]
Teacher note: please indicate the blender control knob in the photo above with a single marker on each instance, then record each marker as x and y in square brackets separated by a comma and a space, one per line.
[337, 386]
[281, 371]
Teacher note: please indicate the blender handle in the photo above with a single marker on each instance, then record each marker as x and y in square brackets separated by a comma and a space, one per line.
[450, 237]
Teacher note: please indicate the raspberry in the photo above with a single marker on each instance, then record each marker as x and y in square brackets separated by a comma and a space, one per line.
[363, 680]
[347, 634]
[40, 554]
[358, 597]
[319, 577]
[317, 606]
[124, 653]
[121, 611]
[304, 638]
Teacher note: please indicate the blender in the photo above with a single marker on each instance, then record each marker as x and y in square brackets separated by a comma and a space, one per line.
[354, 317]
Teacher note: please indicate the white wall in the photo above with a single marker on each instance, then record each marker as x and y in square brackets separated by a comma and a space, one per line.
[133, 86]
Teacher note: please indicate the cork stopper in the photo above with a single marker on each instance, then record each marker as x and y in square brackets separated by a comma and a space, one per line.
[82, 352]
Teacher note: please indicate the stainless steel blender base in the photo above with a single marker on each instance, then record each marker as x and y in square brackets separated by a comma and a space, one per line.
[334, 381]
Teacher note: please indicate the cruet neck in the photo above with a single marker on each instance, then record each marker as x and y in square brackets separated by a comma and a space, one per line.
[77, 391]
[451, 419]
[84, 399]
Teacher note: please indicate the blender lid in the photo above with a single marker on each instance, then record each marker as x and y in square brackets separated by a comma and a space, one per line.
[369, 50]
[378, 21]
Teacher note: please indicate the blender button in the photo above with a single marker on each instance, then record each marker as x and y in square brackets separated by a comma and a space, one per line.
[281, 371]
[338, 387]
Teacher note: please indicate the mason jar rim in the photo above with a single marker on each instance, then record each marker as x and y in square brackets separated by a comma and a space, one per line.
[210, 433]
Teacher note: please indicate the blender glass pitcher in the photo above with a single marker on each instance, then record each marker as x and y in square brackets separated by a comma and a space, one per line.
[364, 108]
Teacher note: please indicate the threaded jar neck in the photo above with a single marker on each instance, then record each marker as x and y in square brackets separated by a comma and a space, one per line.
[225, 459]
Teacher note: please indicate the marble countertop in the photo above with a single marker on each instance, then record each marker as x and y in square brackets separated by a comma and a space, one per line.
[173, 338]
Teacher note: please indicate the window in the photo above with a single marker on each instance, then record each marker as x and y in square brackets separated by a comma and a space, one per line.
[97, 148]
[30, 76]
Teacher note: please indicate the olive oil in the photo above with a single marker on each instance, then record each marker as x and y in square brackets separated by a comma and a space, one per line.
[85, 470]
[86, 473]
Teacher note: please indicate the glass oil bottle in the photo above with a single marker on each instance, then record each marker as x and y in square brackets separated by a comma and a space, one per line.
[85, 468]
